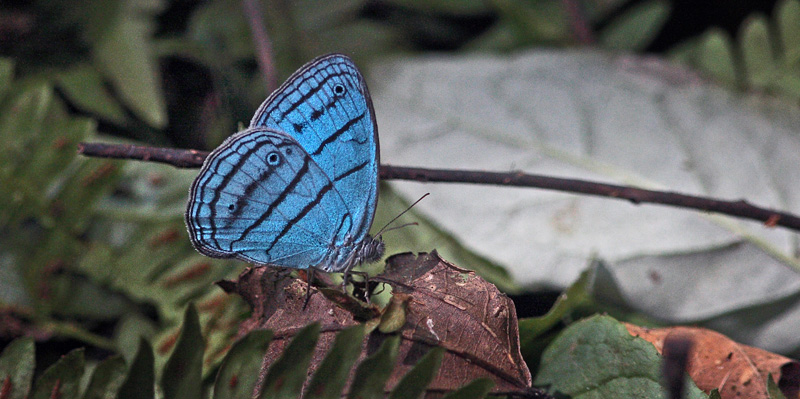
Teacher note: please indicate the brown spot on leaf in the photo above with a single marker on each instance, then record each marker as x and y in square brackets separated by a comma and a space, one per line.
[167, 236]
[60, 143]
[55, 393]
[5, 392]
[197, 270]
[168, 342]
[156, 179]
[103, 171]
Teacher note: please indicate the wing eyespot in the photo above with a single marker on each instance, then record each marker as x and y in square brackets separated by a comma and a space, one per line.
[338, 89]
[273, 158]
[231, 207]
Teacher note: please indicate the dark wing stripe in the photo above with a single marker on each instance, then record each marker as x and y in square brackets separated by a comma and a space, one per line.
[225, 181]
[338, 133]
[326, 107]
[248, 191]
[352, 170]
[303, 99]
[302, 214]
[289, 188]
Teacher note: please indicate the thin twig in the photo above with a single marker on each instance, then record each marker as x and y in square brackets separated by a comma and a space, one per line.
[739, 208]
[252, 10]
[172, 156]
[580, 25]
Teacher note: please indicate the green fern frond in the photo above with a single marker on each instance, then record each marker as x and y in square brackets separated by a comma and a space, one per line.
[96, 239]
[237, 377]
[764, 56]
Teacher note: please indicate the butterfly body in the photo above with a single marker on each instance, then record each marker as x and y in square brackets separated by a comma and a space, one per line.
[298, 188]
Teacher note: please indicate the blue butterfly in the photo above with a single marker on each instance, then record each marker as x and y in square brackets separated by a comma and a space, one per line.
[298, 188]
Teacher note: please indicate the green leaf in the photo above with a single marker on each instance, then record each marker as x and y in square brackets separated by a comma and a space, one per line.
[84, 86]
[597, 358]
[140, 380]
[772, 388]
[371, 375]
[124, 55]
[17, 364]
[286, 375]
[46, 207]
[107, 379]
[535, 333]
[528, 23]
[452, 7]
[182, 378]
[714, 394]
[577, 294]
[787, 18]
[759, 62]
[157, 264]
[637, 27]
[414, 383]
[716, 56]
[474, 390]
[20, 129]
[62, 379]
[331, 376]
[6, 75]
[240, 368]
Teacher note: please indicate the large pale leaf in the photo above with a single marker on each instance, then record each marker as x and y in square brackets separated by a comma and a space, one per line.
[614, 119]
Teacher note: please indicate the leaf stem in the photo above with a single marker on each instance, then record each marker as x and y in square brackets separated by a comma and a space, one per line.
[66, 329]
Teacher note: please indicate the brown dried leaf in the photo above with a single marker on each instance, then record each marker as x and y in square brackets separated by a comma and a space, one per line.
[444, 306]
[456, 309]
[737, 370]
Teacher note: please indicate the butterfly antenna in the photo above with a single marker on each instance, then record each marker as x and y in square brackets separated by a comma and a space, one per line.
[383, 229]
[398, 227]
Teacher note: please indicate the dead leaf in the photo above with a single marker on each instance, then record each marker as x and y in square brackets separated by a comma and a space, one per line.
[444, 306]
[737, 370]
[456, 309]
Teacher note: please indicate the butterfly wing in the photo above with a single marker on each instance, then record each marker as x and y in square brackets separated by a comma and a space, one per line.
[261, 198]
[327, 108]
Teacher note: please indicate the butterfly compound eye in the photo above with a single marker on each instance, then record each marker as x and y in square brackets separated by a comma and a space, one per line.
[273, 159]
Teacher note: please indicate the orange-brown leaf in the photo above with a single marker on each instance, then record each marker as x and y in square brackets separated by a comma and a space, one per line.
[737, 370]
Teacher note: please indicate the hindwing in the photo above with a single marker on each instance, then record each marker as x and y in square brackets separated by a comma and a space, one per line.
[261, 198]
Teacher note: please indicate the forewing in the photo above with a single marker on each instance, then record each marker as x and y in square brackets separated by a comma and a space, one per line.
[326, 107]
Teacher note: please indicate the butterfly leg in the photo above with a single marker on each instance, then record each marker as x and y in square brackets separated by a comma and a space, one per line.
[364, 293]
[309, 283]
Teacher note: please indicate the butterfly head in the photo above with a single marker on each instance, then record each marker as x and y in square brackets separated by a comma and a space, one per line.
[371, 250]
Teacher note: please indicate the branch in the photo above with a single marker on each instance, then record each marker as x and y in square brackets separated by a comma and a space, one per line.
[173, 156]
[740, 208]
[580, 25]
[262, 44]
